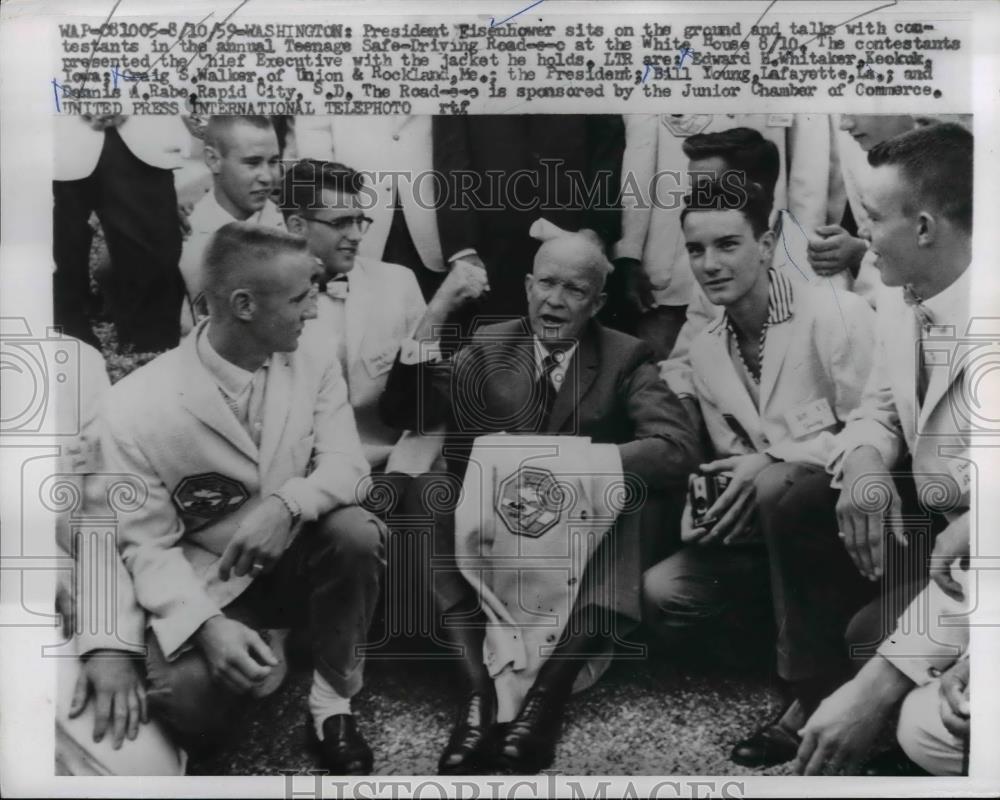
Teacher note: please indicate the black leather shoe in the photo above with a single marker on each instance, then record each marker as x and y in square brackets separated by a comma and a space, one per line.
[892, 762]
[528, 744]
[343, 749]
[468, 746]
[769, 745]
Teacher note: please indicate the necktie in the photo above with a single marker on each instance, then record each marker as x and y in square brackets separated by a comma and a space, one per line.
[923, 319]
[255, 404]
[545, 390]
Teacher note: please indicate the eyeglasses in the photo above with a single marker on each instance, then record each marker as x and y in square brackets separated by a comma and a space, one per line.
[342, 224]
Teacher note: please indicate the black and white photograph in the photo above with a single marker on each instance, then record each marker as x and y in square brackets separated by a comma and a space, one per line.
[392, 408]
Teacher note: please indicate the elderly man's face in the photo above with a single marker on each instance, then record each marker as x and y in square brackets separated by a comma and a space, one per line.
[564, 293]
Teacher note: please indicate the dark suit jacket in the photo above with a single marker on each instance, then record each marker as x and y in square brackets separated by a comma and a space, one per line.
[612, 393]
[495, 219]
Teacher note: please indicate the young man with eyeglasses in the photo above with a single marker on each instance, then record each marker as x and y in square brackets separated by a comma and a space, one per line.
[365, 311]
[243, 155]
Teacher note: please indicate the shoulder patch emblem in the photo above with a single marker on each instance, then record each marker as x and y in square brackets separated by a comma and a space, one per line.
[530, 502]
[202, 499]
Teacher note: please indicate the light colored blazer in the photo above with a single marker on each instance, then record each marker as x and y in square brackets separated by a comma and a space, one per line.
[938, 437]
[160, 141]
[651, 231]
[380, 146]
[931, 634]
[382, 309]
[108, 616]
[822, 352]
[168, 424]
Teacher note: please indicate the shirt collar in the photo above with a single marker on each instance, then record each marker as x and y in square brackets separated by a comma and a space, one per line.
[780, 302]
[218, 215]
[232, 379]
[562, 358]
[950, 306]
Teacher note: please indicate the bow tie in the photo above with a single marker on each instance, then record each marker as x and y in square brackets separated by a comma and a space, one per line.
[338, 287]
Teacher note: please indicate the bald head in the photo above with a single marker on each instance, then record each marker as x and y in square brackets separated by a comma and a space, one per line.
[582, 251]
[566, 286]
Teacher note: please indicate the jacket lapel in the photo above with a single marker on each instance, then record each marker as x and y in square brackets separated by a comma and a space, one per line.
[277, 406]
[579, 377]
[723, 382]
[199, 393]
[357, 307]
[779, 337]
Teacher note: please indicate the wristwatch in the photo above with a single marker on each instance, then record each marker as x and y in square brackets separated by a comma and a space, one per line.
[293, 507]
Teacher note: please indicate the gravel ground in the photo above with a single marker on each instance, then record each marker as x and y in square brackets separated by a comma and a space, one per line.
[647, 717]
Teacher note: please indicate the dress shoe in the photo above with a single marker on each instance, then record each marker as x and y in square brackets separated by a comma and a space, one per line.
[528, 744]
[343, 750]
[468, 747]
[892, 762]
[772, 744]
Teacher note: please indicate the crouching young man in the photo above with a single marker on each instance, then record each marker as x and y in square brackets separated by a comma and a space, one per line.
[248, 449]
[775, 374]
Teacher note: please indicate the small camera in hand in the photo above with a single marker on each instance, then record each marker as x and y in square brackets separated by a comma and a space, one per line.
[703, 491]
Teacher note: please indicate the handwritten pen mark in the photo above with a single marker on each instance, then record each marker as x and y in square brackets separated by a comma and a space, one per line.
[494, 23]
[93, 51]
[215, 27]
[764, 14]
[833, 289]
[644, 74]
[845, 22]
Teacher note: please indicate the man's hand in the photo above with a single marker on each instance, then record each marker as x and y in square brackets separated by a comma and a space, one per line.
[471, 258]
[734, 508]
[638, 290]
[236, 654]
[954, 690]
[952, 543]
[840, 732]
[862, 528]
[835, 251]
[466, 282]
[115, 681]
[259, 541]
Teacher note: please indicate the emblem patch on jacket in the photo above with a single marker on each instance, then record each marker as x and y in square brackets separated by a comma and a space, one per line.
[530, 501]
[202, 499]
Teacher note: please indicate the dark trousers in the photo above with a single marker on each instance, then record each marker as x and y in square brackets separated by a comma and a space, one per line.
[137, 207]
[830, 618]
[328, 579]
[400, 249]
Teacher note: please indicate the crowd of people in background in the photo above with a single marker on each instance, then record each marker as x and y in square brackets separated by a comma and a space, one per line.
[340, 346]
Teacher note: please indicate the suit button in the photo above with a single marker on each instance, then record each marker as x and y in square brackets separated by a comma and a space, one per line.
[583, 515]
[395, 137]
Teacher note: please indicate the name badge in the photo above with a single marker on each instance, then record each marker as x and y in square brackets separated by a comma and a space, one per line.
[809, 418]
[779, 120]
[379, 362]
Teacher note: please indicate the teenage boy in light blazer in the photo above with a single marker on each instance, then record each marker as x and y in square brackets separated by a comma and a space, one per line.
[775, 377]
[246, 443]
[918, 206]
[918, 201]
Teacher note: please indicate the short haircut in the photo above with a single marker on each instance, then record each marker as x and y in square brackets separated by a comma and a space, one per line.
[237, 244]
[731, 192]
[743, 149]
[220, 125]
[303, 185]
[586, 245]
[936, 161]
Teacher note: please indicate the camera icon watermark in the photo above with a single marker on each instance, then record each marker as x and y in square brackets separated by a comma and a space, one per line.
[41, 381]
